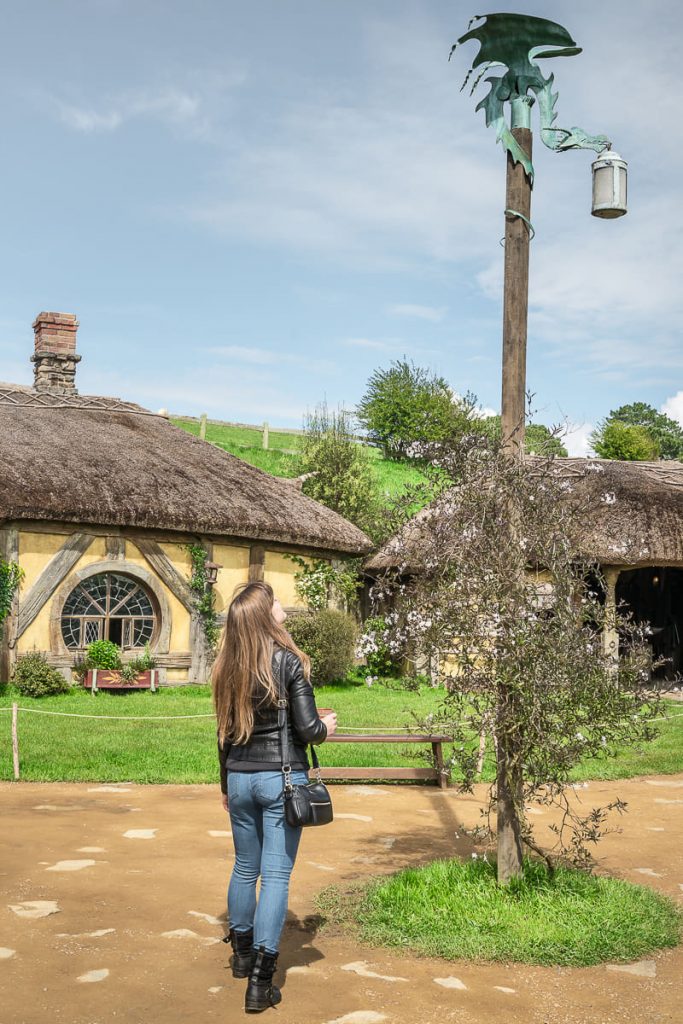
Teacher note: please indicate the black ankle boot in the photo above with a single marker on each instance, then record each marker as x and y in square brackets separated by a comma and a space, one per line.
[243, 952]
[261, 993]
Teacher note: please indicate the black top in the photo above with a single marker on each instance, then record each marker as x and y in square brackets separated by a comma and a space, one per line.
[261, 752]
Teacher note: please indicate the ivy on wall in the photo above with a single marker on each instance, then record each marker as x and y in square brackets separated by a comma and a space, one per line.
[11, 576]
[204, 596]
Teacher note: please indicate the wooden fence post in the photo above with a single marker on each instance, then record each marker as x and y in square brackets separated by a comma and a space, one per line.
[265, 435]
[202, 427]
[15, 740]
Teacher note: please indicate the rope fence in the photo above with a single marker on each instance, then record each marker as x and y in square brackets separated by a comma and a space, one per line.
[15, 709]
[349, 730]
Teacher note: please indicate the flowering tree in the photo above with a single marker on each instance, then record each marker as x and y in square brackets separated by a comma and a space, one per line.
[317, 580]
[491, 582]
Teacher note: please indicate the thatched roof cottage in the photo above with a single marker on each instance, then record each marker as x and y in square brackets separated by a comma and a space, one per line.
[99, 500]
[634, 532]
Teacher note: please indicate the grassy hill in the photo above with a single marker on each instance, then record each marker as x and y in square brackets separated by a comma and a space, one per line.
[281, 458]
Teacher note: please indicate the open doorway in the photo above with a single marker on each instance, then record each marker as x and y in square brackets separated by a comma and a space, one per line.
[655, 595]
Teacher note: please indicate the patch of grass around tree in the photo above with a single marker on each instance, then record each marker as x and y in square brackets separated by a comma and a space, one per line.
[456, 910]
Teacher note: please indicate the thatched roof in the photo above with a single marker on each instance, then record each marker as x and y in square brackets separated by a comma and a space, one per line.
[636, 515]
[93, 460]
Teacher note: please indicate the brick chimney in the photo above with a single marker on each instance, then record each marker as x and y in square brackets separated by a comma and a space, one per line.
[54, 360]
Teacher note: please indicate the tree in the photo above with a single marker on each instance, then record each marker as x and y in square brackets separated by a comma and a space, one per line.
[512, 621]
[538, 439]
[614, 439]
[667, 434]
[340, 469]
[405, 404]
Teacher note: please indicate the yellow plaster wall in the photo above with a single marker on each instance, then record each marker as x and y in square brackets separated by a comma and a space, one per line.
[180, 617]
[176, 675]
[35, 551]
[234, 560]
[279, 572]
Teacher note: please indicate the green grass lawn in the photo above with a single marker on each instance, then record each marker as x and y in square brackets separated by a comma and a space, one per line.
[236, 437]
[183, 750]
[281, 459]
[455, 910]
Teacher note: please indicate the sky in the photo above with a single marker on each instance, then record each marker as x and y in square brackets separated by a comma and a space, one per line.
[252, 206]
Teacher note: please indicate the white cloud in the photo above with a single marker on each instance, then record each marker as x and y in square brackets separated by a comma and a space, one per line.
[576, 439]
[206, 95]
[370, 171]
[483, 412]
[673, 407]
[421, 312]
[82, 120]
[171, 105]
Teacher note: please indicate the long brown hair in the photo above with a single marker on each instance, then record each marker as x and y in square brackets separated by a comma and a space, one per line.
[243, 665]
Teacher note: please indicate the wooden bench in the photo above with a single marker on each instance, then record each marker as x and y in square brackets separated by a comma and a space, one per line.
[435, 774]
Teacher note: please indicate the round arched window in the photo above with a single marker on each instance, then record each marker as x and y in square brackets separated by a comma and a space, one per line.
[109, 606]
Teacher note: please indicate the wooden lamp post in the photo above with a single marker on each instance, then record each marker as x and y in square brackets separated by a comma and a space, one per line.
[511, 44]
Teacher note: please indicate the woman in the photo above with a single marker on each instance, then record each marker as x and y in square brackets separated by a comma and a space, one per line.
[245, 690]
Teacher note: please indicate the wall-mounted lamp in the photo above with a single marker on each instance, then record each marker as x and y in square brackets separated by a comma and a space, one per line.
[211, 569]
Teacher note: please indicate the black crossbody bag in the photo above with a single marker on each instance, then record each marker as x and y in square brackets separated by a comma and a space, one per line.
[311, 803]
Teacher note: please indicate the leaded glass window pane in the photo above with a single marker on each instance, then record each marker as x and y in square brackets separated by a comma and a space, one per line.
[80, 602]
[91, 632]
[143, 632]
[71, 631]
[108, 605]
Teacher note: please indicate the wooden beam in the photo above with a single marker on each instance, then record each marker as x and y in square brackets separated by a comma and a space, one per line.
[165, 569]
[56, 570]
[257, 561]
[429, 774]
[115, 546]
[202, 658]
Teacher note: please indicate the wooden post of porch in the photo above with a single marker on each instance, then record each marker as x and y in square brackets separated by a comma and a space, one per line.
[610, 635]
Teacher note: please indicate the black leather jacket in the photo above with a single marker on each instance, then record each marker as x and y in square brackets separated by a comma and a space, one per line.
[303, 726]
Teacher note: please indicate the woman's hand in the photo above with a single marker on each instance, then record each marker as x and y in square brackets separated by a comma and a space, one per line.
[224, 800]
[330, 722]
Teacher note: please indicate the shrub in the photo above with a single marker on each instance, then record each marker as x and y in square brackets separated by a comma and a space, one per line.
[374, 647]
[103, 654]
[339, 470]
[328, 637]
[142, 663]
[34, 677]
[613, 439]
[406, 403]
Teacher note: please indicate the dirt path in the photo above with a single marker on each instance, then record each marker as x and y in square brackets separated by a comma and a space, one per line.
[118, 908]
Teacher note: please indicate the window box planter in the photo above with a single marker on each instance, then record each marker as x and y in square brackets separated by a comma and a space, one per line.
[110, 679]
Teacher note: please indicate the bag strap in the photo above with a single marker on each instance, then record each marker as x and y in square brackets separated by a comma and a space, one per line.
[282, 705]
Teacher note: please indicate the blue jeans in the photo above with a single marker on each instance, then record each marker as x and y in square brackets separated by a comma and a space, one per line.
[265, 845]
